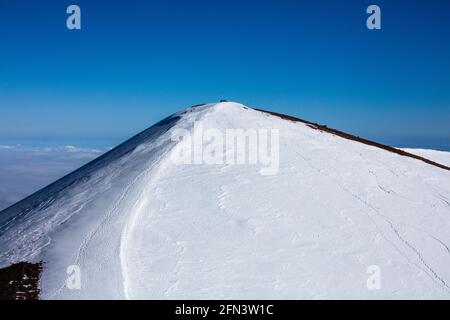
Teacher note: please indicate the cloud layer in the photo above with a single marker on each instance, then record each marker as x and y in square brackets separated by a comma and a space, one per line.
[24, 170]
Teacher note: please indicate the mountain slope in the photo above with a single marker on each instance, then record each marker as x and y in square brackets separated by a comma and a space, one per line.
[140, 226]
[442, 157]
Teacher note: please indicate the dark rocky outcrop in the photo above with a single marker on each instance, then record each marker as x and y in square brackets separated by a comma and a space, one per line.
[20, 281]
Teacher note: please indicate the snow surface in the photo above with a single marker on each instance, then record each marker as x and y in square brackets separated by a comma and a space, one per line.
[139, 226]
[442, 157]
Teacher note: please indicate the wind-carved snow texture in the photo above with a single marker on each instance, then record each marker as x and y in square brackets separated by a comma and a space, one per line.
[140, 226]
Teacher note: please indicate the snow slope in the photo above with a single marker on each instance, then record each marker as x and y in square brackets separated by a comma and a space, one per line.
[442, 157]
[139, 226]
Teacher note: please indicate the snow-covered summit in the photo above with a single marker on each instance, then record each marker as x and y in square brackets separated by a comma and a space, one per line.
[139, 225]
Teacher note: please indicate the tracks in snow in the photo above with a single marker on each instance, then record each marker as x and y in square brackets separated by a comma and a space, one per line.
[428, 269]
[129, 226]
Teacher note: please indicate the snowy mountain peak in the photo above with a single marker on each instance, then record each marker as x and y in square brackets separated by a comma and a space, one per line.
[294, 210]
[217, 106]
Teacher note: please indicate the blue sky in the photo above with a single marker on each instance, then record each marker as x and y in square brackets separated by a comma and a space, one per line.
[135, 62]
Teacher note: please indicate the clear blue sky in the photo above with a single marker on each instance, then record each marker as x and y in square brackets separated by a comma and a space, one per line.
[135, 62]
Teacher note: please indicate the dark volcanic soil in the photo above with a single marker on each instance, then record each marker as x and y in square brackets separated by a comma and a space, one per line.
[20, 281]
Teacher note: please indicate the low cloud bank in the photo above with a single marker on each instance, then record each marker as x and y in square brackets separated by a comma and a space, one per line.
[24, 170]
